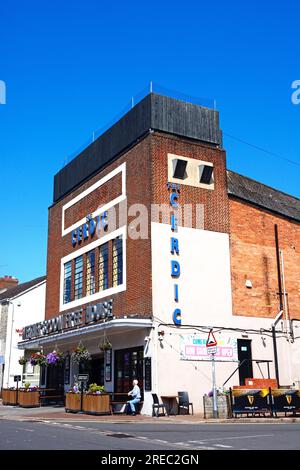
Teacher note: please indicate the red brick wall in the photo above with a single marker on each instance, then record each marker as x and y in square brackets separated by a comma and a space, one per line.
[146, 183]
[137, 297]
[88, 204]
[216, 210]
[253, 257]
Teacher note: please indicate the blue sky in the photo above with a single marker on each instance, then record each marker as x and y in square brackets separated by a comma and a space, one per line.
[70, 67]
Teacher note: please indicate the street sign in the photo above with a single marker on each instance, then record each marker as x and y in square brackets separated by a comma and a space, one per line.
[211, 340]
[17, 378]
[82, 377]
[211, 350]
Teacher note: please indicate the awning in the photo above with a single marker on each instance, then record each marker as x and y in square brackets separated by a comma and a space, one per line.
[116, 326]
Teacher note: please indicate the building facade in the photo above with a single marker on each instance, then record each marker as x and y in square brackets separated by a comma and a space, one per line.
[152, 244]
[19, 305]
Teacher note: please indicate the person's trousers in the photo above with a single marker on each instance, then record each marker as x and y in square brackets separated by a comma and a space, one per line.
[132, 403]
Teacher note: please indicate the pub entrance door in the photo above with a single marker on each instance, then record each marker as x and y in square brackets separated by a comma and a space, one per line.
[128, 366]
[245, 352]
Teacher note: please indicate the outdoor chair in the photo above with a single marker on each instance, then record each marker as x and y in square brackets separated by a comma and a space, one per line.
[184, 402]
[158, 406]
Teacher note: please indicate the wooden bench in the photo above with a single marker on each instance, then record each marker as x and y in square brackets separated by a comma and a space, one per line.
[55, 398]
[118, 407]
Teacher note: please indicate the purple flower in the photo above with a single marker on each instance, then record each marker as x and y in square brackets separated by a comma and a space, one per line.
[52, 358]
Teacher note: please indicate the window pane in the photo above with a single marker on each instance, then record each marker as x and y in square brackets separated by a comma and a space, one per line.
[78, 277]
[67, 282]
[90, 273]
[117, 261]
[103, 267]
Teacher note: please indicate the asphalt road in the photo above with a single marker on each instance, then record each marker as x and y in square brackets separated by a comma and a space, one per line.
[28, 435]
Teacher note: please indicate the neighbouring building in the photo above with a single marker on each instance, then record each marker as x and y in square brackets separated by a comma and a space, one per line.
[7, 282]
[152, 243]
[19, 305]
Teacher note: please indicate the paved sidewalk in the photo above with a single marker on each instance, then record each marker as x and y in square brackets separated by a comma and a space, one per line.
[52, 413]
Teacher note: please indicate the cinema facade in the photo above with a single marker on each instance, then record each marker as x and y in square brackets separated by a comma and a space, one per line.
[152, 243]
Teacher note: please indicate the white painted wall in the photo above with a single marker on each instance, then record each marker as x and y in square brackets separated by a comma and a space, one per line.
[25, 309]
[204, 299]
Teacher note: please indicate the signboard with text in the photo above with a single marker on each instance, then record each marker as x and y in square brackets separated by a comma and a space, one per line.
[194, 348]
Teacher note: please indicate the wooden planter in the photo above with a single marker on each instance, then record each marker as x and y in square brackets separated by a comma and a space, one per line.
[73, 402]
[96, 404]
[29, 399]
[223, 403]
[9, 397]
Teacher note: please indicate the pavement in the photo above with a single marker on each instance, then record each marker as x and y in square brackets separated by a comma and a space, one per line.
[58, 414]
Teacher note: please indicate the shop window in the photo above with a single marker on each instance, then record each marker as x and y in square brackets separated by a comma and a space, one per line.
[103, 267]
[67, 282]
[117, 261]
[78, 277]
[90, 272]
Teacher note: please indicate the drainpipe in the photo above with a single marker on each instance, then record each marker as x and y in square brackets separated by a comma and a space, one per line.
[275, 345]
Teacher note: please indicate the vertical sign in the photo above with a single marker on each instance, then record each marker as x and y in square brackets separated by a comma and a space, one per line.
[148, 374]
[174, 249]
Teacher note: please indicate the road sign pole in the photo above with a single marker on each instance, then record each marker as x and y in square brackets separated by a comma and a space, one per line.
[215, 403]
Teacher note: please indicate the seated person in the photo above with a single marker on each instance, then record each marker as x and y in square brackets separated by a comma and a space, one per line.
[135, 393]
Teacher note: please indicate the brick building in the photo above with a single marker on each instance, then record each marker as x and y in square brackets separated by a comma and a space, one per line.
[152, 243]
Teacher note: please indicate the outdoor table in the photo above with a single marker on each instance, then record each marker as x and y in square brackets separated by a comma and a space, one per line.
[171, 403]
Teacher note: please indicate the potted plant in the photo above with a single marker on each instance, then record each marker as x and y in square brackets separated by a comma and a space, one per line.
[223, 404]
[96, 400]
[22, 361]
[73, 400]
[105, 345]
[81, 354]
[38, 359]
[29, 396]
[9, 396]
[55, 358]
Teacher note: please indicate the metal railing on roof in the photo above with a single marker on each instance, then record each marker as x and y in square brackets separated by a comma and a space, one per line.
[152, 88]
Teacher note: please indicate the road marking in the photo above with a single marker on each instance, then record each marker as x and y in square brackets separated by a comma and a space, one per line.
[232, 437]
[223, 446]
[24, 429]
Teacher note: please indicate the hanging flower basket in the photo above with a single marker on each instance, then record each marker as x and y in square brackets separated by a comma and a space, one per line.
[38, 359]
[22, 361]
[105, 345]
[81, 354]
[55, 358]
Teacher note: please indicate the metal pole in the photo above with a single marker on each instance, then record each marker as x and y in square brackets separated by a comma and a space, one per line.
[275, 354]
[278, 268]
[215, 404]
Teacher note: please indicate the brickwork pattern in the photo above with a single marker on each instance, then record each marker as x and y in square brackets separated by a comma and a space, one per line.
[253, 257]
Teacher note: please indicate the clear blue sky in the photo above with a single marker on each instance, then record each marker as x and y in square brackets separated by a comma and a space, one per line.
[71, 66]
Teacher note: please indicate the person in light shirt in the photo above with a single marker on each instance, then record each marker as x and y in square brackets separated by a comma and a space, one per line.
[135, 393]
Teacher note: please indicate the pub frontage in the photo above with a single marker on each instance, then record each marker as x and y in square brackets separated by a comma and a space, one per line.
[149, 250]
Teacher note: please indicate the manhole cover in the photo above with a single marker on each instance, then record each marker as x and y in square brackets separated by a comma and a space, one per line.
[119, 435]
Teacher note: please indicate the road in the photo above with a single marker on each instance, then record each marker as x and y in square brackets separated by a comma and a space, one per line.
[30, 435]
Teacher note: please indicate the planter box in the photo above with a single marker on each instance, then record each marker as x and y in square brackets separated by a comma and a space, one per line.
[29, 399]
[9, 397]
[224, 408]
[73, 402]
[96, 404]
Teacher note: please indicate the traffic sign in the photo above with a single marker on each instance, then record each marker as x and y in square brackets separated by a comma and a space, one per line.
[211, 340]
[17, 378]
[211, 350]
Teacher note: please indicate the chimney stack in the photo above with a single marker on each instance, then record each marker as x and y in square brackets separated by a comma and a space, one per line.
[7, 282]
